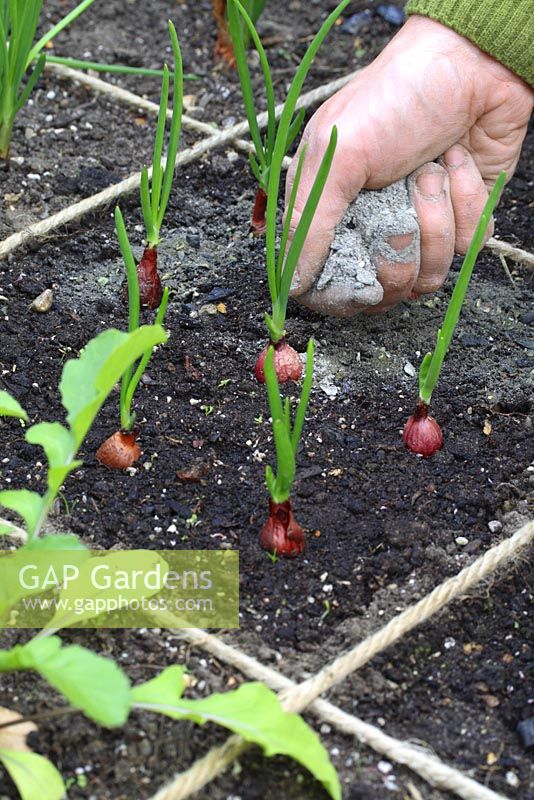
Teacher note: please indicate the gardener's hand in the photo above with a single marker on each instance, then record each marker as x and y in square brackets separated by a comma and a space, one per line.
[430, 93]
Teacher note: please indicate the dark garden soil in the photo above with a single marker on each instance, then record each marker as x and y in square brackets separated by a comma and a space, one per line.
[384, 527]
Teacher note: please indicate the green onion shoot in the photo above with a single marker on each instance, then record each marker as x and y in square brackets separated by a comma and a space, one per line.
[18, 23]
[281, 265]
[279, 136]
[422, 433]
[281, 534]
[121, 450]
[155, 191]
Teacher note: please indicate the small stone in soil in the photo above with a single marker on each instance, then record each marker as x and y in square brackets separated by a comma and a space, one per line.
[470, 340]
[525, 729]
[217, 293]
[392, 14]
[528, 318]
[354, 24]
[43, 302]
[193, 238]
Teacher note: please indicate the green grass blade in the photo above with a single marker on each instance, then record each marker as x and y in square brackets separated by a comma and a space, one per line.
[295, 249]
[236, 12]
[157, 171]
[284, 124]
[80, 8]
[445, 333]
[304, 398]
[176, 125]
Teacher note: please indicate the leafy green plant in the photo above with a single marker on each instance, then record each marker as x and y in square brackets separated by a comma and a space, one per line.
[120, 450]
[97, 686]
[85, 383]
[18, 25]
[270, 149]
[282, 534]
[155, 190]
[422, 434]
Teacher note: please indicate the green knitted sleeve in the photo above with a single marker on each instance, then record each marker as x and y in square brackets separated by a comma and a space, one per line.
[502, 28]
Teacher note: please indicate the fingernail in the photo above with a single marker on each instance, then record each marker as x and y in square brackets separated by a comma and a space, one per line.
[455, 156]
[295, 283]
[430, 184]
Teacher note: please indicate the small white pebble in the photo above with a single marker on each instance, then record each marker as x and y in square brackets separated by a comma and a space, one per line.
[385, 767]
[512, 779]
[461, 541]
[495, 526]
[409, 369]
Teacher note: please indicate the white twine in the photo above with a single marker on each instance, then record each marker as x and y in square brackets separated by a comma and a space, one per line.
[297, 697]
[106, 196]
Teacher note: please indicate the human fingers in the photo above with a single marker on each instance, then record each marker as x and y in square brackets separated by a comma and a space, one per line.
[374, 259]
[430, 193]
[468, 194]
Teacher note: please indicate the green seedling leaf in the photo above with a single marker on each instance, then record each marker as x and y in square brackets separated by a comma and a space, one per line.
[55, 440]
[166, 689]
[60, 541]
[254, 712]
[59, 447]
[26, 656]
[33, 775]
[15, 584]
[9, 407]
[87, 380]
[26, 503]
[91, 683]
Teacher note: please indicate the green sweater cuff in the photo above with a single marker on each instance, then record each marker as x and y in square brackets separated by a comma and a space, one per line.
[502, 28]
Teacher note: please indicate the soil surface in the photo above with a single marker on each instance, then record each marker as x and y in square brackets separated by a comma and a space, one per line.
[384, 527]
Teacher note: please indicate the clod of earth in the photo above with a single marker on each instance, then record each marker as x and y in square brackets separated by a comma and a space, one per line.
[281, 534]
[150, 288]
[258, 223]
[422, 434]
[120, 450]
[287, 363]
